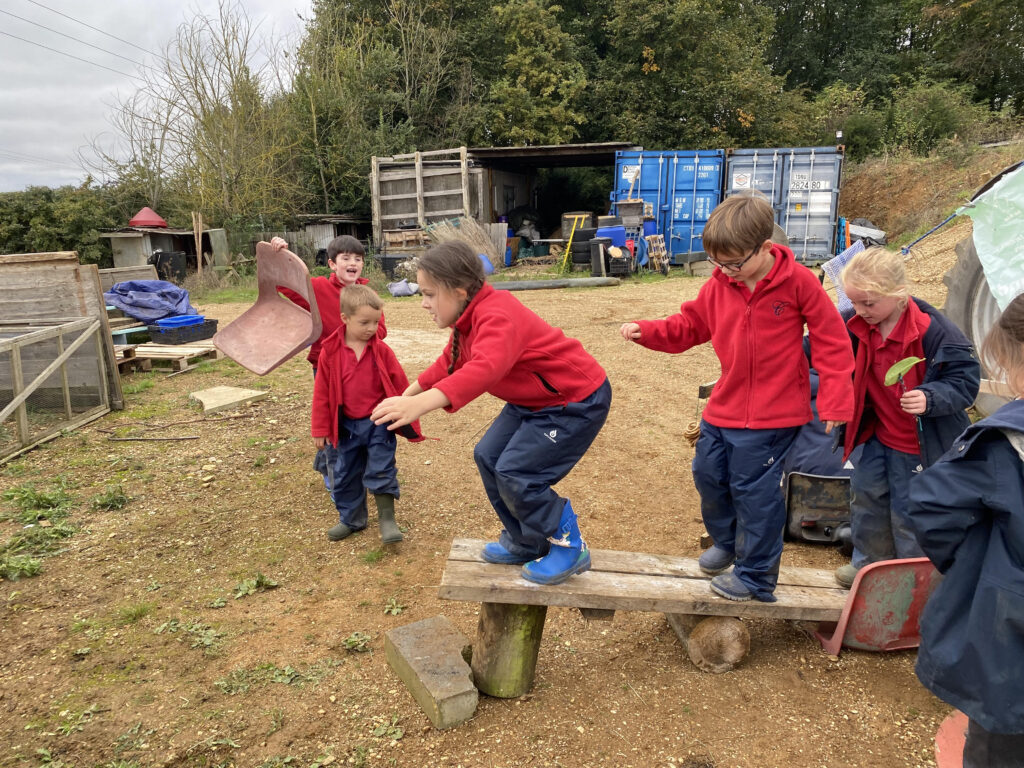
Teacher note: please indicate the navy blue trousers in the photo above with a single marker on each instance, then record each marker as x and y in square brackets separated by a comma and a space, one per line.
[737, 473]
[880, 504]
[524, 453]
[363, 460]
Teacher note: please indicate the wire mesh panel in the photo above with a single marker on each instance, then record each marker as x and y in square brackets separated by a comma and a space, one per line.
[52, 378]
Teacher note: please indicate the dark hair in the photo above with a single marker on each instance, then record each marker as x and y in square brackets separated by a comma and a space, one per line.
[738, 224]
[356, 296]
[344, 244]
[454, 264]
[1002, 351]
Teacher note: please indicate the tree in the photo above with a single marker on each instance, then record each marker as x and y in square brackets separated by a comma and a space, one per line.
[40, 220]
[536, 100]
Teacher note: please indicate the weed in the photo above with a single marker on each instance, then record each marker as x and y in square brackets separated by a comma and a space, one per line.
[256, 584]
[81, 653]
[393, 607]
[15, 469]
[153, 586]
[277, 762]
[357, 642]
[218, 602]
[14, 567]
[34, 504]
[112, 498]
[140, 385]
[372, 556]
[201, 635]
[240, 680]
[133, 612]
[132, 739]
[46, 758]
[276, 721]
[75, 721]
[388, 728]
[259, 461]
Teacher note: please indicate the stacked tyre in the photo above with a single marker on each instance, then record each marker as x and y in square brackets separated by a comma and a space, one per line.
[581, 244]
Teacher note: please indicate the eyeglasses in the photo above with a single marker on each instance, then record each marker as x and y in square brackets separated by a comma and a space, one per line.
[734, 266]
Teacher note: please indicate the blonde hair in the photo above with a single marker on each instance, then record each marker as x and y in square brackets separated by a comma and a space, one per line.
[1002, 351]
[355, 296]
[738, 225]
[878, 272]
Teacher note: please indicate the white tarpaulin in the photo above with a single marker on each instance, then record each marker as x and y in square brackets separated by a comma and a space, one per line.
[998, 216]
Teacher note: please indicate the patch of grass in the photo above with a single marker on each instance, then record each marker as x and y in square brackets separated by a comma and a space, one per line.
[15, 469]
[258, 583]
[133, 612]
[357, 642]
[200, 635]
[139, 385]
[240, 679]
[112, 498]
[38, 540]
[132, 739]
[276, 721]
[14, 567]
[34, 504]
[372, 556]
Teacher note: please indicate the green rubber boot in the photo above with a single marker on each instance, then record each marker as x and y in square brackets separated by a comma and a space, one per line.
[389, 532]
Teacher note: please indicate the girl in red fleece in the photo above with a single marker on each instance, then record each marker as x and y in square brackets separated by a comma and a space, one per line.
[557, 398]
[753, 310]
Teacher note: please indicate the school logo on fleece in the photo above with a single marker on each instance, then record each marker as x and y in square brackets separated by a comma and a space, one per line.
[779, 307]
[552, 435]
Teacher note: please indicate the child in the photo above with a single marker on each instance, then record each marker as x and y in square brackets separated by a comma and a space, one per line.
[967, 512]
[357, 370]
[753, 310]
[904, 426]
[557, 398]
[345, 258]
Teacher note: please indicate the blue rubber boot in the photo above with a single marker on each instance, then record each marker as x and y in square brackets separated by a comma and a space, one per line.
[568, 554]
[715, 560]
[495, 553]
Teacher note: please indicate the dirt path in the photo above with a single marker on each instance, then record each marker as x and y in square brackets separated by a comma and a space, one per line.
[131, 645]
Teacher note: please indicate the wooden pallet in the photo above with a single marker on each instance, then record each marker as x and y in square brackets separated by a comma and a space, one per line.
[127, 362]
[179, 356]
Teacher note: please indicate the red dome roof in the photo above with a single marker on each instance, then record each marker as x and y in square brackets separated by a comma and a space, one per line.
[147, 217]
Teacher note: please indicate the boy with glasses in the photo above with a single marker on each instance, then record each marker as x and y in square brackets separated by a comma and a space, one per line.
[753, 310]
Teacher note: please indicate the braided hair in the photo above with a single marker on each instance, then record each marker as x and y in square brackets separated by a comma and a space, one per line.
[454, 264]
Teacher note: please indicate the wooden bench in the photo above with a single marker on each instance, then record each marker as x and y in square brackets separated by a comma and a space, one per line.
[513, 610]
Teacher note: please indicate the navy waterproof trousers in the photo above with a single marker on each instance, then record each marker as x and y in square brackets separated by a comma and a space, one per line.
[524, 453]
[737, 473]
[363, 460]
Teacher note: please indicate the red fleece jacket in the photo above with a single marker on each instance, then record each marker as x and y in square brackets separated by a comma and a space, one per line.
[327, 395]
[758, 339]
[512, 353]
[327, 291]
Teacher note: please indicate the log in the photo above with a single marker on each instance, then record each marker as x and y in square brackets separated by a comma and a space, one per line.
[715, 643]
[505, 653]
[568, 282]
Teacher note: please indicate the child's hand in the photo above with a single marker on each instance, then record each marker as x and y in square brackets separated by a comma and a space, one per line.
[915, 401]
[320, 442]
[830, 425]
[630, 331]
[400, 410]
[279, 243]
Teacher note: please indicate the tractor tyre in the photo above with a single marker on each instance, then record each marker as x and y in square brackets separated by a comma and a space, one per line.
[969, 304]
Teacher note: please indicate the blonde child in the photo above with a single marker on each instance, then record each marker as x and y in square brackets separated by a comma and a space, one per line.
[967, 512]
[556, 400]
[905, 426]
[356, 371]
[753, 310]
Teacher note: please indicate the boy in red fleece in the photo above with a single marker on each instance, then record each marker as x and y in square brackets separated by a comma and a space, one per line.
[753, 310]
[356, 371]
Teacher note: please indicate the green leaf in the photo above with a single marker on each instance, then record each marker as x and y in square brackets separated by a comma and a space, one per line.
[900, 368]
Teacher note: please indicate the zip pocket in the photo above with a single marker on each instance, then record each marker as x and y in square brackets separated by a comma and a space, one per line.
[545, 384]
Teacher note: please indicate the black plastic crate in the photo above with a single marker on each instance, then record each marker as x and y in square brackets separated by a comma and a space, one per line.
[183, 334]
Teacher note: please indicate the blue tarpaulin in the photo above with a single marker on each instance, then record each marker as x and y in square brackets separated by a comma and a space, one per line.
[149, 300]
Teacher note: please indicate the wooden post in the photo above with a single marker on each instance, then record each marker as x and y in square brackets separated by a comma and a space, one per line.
[197, 233]
[507, 644]
[68, 413]
[421, 218]
[713, 643]
[378, 226]
[464, 167]
[18, 384]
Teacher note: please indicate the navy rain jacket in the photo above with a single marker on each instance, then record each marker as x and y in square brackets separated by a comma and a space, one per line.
[967, 511]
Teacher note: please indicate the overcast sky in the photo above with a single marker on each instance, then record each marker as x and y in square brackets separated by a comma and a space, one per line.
[51, 105]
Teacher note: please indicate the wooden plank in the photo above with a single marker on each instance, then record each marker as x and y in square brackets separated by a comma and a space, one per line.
[39, 258]
[487, 583]
[612, 561]
[56, 431]
[111, 277]
[419, 191]
[464, 167]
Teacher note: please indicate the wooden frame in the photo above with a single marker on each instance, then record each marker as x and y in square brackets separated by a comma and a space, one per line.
[33, 332]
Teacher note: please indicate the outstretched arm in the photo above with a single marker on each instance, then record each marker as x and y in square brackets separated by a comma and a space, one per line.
[407, 408]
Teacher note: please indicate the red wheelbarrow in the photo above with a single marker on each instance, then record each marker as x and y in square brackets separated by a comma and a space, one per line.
[273, 329]
[883, 610]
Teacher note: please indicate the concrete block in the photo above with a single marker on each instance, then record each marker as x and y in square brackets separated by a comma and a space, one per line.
[430, 657]
[219, 398]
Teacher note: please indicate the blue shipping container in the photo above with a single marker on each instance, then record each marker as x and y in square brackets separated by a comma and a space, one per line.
[683, 186]
[802, 184]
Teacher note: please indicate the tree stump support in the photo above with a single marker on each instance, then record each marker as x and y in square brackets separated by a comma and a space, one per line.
[714, 643]
[506, 648]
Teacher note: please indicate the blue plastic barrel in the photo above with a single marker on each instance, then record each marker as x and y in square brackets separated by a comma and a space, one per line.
[650, 227]
[616, 234]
